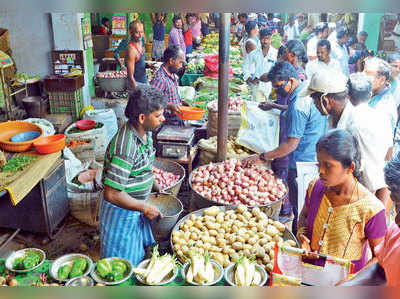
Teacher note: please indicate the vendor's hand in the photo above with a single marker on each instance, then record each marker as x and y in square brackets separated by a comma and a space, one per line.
[251, 160]
[132, 84]
[152, 212]
[267, 105]
[184, 103]
[174, 109]
[305, 244]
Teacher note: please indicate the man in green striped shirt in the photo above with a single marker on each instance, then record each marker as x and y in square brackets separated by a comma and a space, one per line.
[128, 179]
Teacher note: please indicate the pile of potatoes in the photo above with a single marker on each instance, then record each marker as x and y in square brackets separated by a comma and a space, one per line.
[228, 235]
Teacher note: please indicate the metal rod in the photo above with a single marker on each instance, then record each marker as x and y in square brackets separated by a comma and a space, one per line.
[223, 85]
[9, 239]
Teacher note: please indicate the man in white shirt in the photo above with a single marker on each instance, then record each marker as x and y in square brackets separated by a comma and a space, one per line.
[329, 91]
[340, 51]
[321, 32]
[291, 31]
[324, 60]
[396, 33]
[240, 30]
[331, 31]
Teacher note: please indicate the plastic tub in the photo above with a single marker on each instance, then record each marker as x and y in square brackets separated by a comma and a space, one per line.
[85, 124]
[12, 128]
[50, 144]
[190, 113]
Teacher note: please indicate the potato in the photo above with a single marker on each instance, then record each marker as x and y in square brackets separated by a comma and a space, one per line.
[198, 224]
[259, 261]
[199, 243]
[219, 257]
[235, 228]
[247, 253]
[247, 215]
[259, 251]
[241, 218]
[193, 217]
[206, 246]
[220, 218]
[242, 231]
[230, 212]
[246, 237]
[281, 227]
[256, 211]
[194, 236]
[247, 246]
[290, 243]
[179, 253]
[185, 228]
[189, 223]
[237, 245]
[277, 239]
[212, 240]
[213, 232]
[241, 209]
[177, 234]
[215, 248]
[269, 267]
[221, 242]
[212, 211]
[227, 260]
[254, 229]
[272, 254]
[234, 257]
[262, 242]
[211, 225]
[266, 259]
[272, 230]
[252, 241]
[185, 249]
[230, 238]
[270, 221]
[233, 217]
[240, 239]
[177, 247]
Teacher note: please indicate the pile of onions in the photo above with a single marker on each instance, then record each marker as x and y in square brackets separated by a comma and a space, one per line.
[230, 183]
[234, 104]
[164, 179]
[113, 74]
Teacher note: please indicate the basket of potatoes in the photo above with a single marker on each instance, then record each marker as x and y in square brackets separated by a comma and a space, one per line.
[228, 232]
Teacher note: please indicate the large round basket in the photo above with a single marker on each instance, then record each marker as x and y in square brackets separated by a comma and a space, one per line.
[176, 169]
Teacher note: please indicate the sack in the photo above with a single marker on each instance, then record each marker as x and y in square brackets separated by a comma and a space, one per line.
[289, 269]
[98, 135]
[234, 121]
[259, 130]
[47, 127]
[211, 66]
[107, 117]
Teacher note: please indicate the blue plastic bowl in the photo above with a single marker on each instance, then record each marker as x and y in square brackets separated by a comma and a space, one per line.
[25, 136]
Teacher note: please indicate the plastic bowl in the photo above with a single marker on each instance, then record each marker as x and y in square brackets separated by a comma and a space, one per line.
[25, 136]
[190, 113]
[12, 128]
[86, 124]
[50, 144]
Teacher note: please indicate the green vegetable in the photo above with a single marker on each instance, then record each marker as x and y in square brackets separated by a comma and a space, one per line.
[31, 260]
[64, 271]
[78, 267]
[114, 276]
[103, 267]
[18, 163]
[18, 263]
[77, 130]
[119, 266]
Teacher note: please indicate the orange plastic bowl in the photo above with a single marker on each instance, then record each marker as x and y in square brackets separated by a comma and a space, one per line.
[50, 144]
[12, 128]
[190, 113]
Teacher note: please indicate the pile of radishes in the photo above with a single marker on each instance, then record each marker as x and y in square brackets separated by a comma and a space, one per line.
[164, 179]
[230, 183]
[112, 74]
[234, 104]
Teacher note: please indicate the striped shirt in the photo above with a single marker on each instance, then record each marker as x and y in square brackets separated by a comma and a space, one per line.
[167, 84]
[128, 163]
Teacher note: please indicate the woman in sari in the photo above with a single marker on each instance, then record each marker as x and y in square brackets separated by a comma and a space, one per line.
[340, 217]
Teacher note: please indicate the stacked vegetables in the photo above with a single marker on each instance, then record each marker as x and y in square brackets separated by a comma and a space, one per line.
[112, 74]
[26, 262]
[18, 163]
[233, 150]
[246, 274]
[228, 235]
[231, 183]
[158, 268]
[200, 270]
[164, 179]
[111, 271]
[234, 104]
[77, 269]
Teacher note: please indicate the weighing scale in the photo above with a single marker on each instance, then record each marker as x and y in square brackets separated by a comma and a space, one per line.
[174, 141]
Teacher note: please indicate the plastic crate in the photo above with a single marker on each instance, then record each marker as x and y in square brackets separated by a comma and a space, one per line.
[70, 102]
[188, 78]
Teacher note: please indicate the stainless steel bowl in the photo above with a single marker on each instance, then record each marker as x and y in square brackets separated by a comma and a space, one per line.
[218, 273]
[170, 277]
[69, 259]
[20, 253]
[230, 274]
[129, 271]
[81, 281]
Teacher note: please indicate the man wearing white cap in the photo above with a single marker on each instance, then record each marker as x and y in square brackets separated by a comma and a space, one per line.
[329, 90]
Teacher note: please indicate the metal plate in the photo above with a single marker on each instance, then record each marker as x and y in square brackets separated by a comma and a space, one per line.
[229, 274]
[81, 281]
[218, 273]
[69, 259]
[170, 277]
[128, 273]
[175, 133]
[287, 234]
[20, 253]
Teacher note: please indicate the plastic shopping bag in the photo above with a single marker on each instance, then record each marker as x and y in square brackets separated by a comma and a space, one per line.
[259, 130]
[291, 268]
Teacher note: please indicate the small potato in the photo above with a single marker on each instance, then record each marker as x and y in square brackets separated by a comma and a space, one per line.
[254, 229]
[272, 230]
[193, 217]
[246, 237]
[212, 240]
[209, 218]
[221, 242]
[247, 253]
[213, 232]
[185, 249]
[189, 222]
[252, 241]
[272, 254]
[179, 252]
[234, 257]
[256, 211]
[212, 211]
[198, 224]
[270, 221]
[247, 246]
[221, 230]
[242, 231]
[204, 229]
[262, 242]
[211, 225]
[177, 234]
[269, 267]
[281, 227]
[219, 257]
[227, 261]
[199, 244]
[266, 259]
[194, 236]
[247, 215]
[241, 218]
[233, 217]
[277, 239]
[237, 245]
[214, 248]
[290, 243]
[231, 238]
[235, 228]
[241, 209]
[240, 239]
[185, 228]
[177, 247]
[220, 218]
[220, 236]
[206, 246]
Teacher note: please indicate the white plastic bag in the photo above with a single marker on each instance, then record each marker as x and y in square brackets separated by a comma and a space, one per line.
[107, 117]
[47, 127]
[259, 130]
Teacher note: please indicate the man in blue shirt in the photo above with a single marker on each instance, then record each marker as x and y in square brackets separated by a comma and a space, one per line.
[305, 125]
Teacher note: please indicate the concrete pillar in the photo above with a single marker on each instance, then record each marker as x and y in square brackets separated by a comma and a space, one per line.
[67, 35]
[370, 22]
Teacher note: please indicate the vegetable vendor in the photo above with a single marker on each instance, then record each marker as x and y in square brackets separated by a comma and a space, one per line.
[128, 179]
